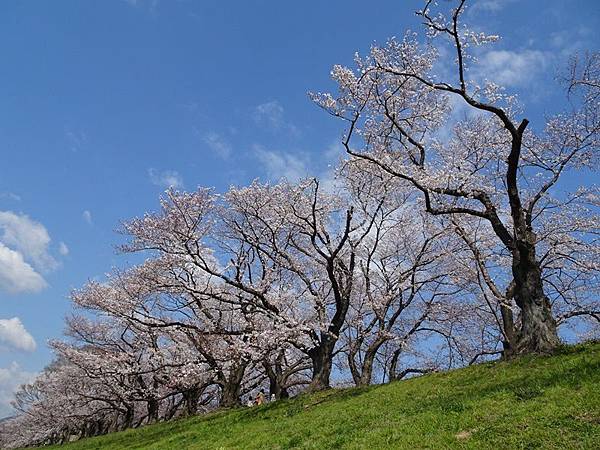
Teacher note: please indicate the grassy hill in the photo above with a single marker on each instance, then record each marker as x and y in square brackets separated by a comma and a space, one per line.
[535, 402]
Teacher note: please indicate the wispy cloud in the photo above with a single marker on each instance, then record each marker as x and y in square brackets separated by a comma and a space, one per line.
[332, 155]
[190, 106]
[492, 6]
[63, 249]
[269, 113]
[10, 196]
[218, 144]
[76, 139]
[14, 335]
[166, 178]
[278, 165]
[87, 217]
[150, 5]
[566, 42]
[271, 116]
[294, 166]
[512, 68]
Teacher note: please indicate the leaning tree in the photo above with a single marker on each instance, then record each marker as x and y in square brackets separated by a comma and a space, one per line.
[464, 146]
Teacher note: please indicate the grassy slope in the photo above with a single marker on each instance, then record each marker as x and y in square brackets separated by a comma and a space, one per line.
[531, 403]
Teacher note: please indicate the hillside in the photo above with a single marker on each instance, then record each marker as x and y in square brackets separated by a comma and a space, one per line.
[535, 402]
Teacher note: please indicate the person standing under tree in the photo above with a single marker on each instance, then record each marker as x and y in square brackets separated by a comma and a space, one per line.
[260, 398]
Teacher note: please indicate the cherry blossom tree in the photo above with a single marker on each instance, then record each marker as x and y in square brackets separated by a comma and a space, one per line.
[205, 340]
[60, 404]
[482, 162]
[136, 367]
[287, 262]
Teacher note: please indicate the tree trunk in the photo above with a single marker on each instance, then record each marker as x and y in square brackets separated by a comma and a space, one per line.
[276, 379]
[277, 389]
[538, 327]
[538, 330]
[354, 370]
[322, 360]
[127, 417]
[191, 397]
[392, 375]
[230, 395]
[367, 369]
[362, 375]
[152, 405]
[231, 387]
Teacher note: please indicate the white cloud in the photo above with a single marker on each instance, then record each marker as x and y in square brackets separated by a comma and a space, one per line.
[27, 237]
[16, 275]
[218, 144]
[13, 334]
[63, 249]
[10, 379]
[24, 253]
[87, 216]
[278, 165]
[271, 115]
[512, 68]
[166, 178]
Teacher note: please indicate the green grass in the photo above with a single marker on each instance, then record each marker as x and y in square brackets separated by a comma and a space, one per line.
[534, 402]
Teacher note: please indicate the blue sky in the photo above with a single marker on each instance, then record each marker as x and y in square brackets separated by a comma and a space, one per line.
[104, 104]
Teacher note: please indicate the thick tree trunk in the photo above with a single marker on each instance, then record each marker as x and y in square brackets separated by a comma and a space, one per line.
[322, 361]
[191, 397]
[127, 418]
[152, 406]
[230, 396]
[367, 369]
[277, 387]
[231, 387]
[538, 328]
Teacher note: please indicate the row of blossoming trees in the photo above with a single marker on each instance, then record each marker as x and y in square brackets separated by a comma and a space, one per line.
[445, 240]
